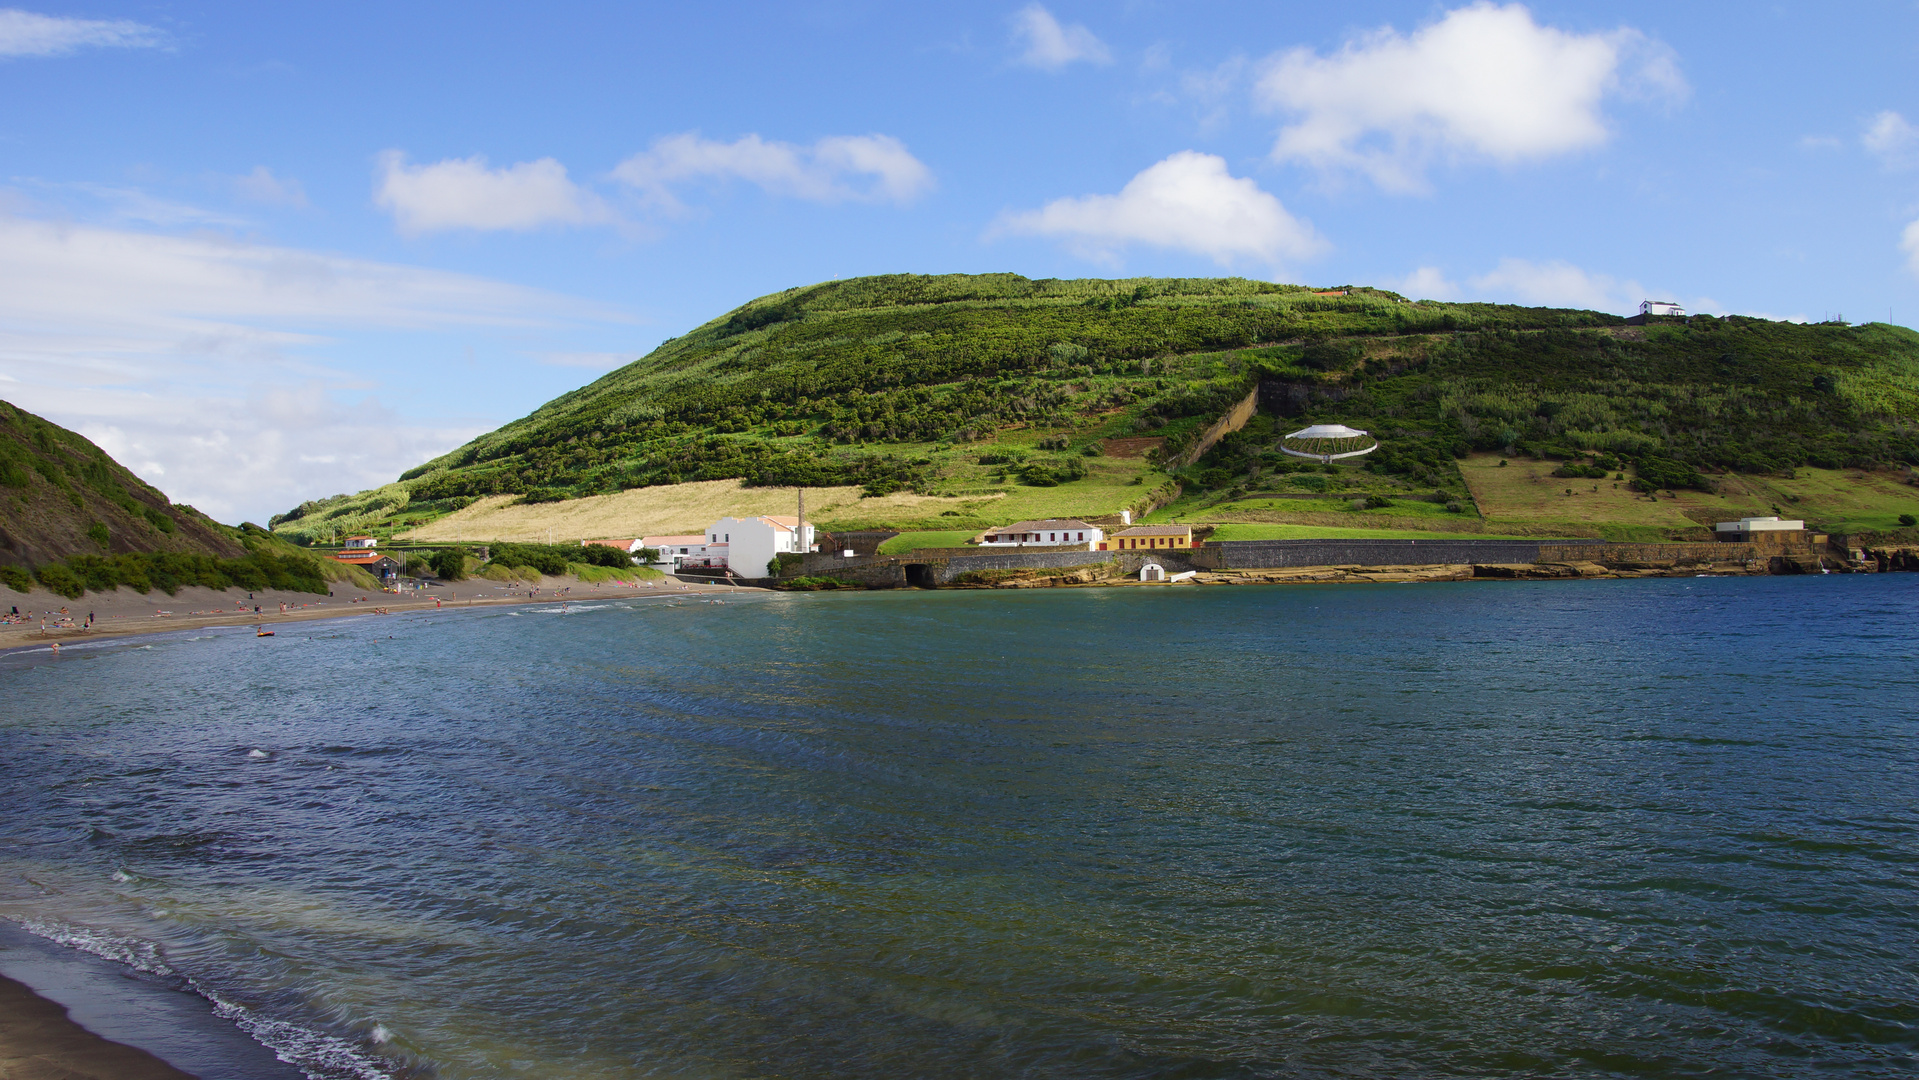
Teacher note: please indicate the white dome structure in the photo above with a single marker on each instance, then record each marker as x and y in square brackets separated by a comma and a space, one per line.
[1326, 443]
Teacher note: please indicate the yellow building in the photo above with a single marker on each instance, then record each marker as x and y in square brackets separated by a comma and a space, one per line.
[1142, 537]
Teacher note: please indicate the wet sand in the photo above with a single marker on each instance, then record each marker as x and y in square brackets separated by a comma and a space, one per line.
[39, 1042]
[124, 612]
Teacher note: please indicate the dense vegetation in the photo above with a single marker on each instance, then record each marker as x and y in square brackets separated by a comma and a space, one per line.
[267, 564]
[890, 382]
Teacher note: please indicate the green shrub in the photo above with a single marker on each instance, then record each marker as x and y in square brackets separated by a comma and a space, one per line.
[449, 564]
[816, 584]
[1658, 472]
[158, 520]
[59, 579]
[601, 555]
[16, 579]
[1576, 471]
[550, 559]
[97, 532]
[1908, 520]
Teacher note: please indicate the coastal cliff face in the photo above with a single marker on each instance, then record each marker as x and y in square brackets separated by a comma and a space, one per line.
[61, 496]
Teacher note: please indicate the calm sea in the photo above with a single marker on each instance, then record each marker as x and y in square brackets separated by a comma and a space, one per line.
[1638, 829]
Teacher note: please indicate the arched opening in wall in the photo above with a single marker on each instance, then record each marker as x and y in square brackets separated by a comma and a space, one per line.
[1152, 571]
[920, 576]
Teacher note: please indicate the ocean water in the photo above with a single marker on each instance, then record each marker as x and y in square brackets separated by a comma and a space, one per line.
[1585, 829]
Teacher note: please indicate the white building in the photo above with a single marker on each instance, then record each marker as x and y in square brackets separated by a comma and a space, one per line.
[1742, 530]
[358, 542]
[752, 542]
[1660, 307]
[1051, 532]
[690, 549]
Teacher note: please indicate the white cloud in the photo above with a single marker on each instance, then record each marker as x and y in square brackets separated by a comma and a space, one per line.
[1910, 244]
[464, 193]
[1556, 283]
[204, 360]
[838, 168]
[23, 33]
[262, 186]
[1484, 82]
[1892, 138]
[124, 204]
[1426, 283]
[1046, 44]
[1559, 284]
[1188, 202]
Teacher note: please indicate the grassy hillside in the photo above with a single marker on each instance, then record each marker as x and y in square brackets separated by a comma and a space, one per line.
[64, 496]
[998, 396]
[75, 521]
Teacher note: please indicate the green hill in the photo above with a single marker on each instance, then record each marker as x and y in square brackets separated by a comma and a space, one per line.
[990, 384]
[76, 520]
[64, 496]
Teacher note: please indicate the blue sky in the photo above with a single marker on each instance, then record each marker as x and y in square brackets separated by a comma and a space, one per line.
[264, 253]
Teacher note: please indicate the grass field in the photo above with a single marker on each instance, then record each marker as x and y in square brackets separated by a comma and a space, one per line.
[1272, 531]
[1835, 500]
[929, 538]
[978, 503]
[1339, 504]
[659, 511]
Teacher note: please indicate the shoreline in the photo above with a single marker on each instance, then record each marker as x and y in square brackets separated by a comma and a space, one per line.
[20, 637]
[40, 1040]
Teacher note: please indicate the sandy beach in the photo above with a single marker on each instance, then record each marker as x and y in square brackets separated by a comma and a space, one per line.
[124, 612]
[39, 1042]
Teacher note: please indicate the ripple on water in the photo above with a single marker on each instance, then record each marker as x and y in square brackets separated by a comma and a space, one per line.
[1559, 829]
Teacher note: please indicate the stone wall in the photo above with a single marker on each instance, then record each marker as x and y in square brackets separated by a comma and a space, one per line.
[944, 566]
[1622, 554]
[1274, 554]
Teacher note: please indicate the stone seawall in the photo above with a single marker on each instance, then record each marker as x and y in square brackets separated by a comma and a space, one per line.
[936, 567]
[1277, 554]
[1503, 557]
[1609, 554]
